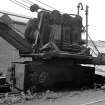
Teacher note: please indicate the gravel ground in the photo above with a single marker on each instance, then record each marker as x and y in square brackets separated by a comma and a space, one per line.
[87, 97]
[83, 97]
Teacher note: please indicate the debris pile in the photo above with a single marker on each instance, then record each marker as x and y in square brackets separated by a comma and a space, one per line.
[10, 99]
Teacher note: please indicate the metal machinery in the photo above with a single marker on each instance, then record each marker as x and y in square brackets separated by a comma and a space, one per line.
[53, 41]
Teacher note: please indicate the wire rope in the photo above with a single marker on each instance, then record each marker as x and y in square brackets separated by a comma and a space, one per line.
[27, 2]
[20, 4]
[46, 4]
[94, 44]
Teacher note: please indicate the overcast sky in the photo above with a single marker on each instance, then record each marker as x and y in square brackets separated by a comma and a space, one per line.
[96, 12]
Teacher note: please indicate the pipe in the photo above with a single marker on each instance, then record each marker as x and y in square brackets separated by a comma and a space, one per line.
[86, 25]
[78, 7]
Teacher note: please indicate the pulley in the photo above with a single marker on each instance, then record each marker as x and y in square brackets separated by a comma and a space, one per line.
[34, 8]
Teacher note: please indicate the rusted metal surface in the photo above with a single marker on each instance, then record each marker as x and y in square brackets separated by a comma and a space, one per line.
[77, 76]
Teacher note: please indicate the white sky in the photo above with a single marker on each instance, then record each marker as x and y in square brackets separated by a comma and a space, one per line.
[96, 12]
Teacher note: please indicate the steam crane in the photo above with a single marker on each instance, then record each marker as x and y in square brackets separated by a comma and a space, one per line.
[53, 41]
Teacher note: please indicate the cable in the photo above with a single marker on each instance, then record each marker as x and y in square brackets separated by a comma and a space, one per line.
[41, 3]
[93, 51]
[94, 44]
[30, 2]
[20, 4]
[46, 5]
[27, 2]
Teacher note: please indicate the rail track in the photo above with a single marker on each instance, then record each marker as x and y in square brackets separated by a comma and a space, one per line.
[98, 102]
[10, 94]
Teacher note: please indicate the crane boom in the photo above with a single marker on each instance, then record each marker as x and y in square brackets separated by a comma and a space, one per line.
[10, 35]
